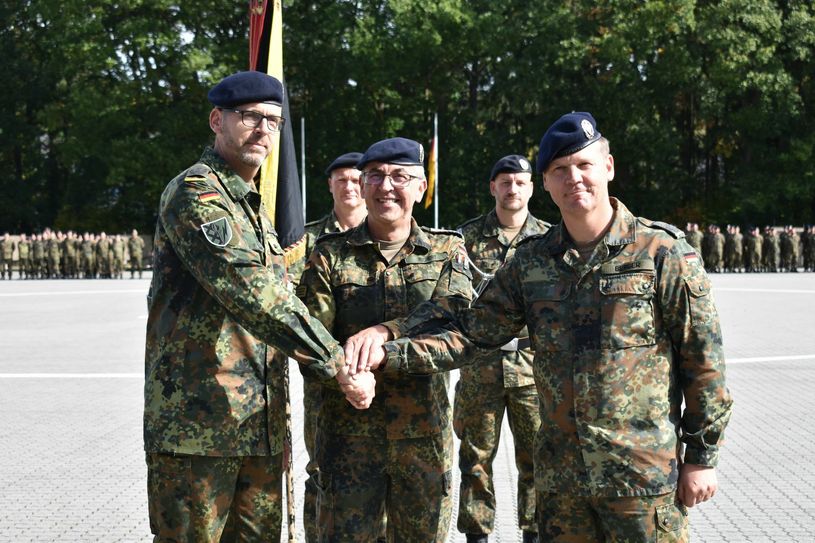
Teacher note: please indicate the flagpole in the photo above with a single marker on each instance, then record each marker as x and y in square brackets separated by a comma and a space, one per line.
[303, 163]
[436, 172]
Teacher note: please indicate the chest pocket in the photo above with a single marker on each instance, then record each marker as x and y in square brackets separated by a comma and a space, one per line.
[421, 274]
[627, 310]
[358, 298]
[547, 316]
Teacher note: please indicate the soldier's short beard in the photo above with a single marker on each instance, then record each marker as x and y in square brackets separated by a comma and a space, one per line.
[251, 159]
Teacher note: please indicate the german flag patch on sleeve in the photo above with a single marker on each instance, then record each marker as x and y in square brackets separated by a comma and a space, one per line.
[208, 196]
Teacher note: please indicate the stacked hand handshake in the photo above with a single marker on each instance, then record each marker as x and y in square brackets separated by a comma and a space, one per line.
[363, 354]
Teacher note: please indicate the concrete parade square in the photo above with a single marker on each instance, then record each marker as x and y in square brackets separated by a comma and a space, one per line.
[71, 372]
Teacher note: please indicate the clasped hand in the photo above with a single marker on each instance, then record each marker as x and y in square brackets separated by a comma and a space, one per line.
[364, 350]
[359, 389]
[363, 354]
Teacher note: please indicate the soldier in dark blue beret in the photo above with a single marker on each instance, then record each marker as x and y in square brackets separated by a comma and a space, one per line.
[629, 364]
[396, 458]
[504, 383]
[221, 316]
[348, 211]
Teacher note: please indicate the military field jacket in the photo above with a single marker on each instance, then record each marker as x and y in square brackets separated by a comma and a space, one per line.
[313, 230]
[218, 298]
[488, 248]
[619, 342]
[348, 286]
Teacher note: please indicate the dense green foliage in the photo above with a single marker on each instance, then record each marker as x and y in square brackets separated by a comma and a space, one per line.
[708, 105]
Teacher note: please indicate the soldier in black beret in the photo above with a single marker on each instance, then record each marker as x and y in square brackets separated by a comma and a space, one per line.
[221, 316]
[349, 210]
[629, 364]
[504, 383]
[396, 458]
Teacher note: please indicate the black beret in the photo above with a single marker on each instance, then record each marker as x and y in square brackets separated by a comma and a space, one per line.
[245, 88]
[511, 164]
[569, 134]
[348, 160]
[394, 151]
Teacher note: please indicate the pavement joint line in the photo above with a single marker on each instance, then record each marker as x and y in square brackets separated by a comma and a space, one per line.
[772, 290]
[770, 358]
[71, 376]
[71, 293]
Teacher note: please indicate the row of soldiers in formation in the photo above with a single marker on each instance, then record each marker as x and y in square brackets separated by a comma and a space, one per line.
[772, 250]
[70, 255]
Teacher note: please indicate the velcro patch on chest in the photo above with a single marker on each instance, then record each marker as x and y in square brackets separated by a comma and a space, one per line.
[217, 232]
[643, 265]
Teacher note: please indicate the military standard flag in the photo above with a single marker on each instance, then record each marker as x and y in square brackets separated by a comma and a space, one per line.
[279, 182]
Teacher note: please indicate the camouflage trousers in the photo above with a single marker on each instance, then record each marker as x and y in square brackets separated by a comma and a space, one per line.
[212, 499]
[312, 392]
[363, 478]
[477, 418]
[135, 265]
[580, 519]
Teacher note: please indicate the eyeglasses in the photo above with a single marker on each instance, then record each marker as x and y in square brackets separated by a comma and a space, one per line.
[398, 179]
[252, 119]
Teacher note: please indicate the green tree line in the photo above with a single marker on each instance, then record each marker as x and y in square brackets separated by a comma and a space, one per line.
[708, 104]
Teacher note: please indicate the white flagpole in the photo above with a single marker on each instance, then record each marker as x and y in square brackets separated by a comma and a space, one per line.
[303, 163]
[436, 172]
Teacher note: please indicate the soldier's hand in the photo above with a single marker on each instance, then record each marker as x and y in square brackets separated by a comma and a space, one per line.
[359, 389]
[697, 484]
[364, 351]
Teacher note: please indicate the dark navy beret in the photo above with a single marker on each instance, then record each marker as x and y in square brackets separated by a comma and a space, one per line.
[569, 134]
[348, 160]
[394, 151]
[245, 88]
[511, 164]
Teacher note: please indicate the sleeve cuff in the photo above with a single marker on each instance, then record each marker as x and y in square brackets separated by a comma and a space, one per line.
[702, 457]
[395, 362]
[395, 330]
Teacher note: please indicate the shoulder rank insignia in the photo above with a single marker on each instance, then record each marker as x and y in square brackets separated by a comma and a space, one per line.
[217, 232]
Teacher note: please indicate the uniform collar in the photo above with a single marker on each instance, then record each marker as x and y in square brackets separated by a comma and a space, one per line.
[360, 235]
[234, 184]
[623, 231]
[492, 228]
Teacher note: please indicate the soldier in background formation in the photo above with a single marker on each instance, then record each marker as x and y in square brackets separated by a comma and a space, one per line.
[69, 255]
[503, 382]
[773, 250]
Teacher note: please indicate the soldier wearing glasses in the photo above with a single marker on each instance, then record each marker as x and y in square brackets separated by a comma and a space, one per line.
[396, 457]
[220, 312]
[345, 185]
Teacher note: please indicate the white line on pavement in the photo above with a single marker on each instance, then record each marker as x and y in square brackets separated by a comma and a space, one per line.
[13, 294]
[71, 375]
[782, 290]
[770, 358]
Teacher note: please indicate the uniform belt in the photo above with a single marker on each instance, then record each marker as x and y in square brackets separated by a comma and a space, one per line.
[516, 344]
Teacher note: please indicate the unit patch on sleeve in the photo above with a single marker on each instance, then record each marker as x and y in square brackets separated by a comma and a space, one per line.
[217, 232]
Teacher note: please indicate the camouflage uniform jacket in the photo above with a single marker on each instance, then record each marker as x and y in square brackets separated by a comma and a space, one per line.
[619, 341]
[694, 238]
[488, 248]
[118, 248]
[219, 310]
[38, 249]
[349, 286]
[135, 246]
[313, 230]
[53, 249]
[6, 250]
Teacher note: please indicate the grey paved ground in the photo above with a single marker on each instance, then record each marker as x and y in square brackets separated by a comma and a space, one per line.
[71, 466]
